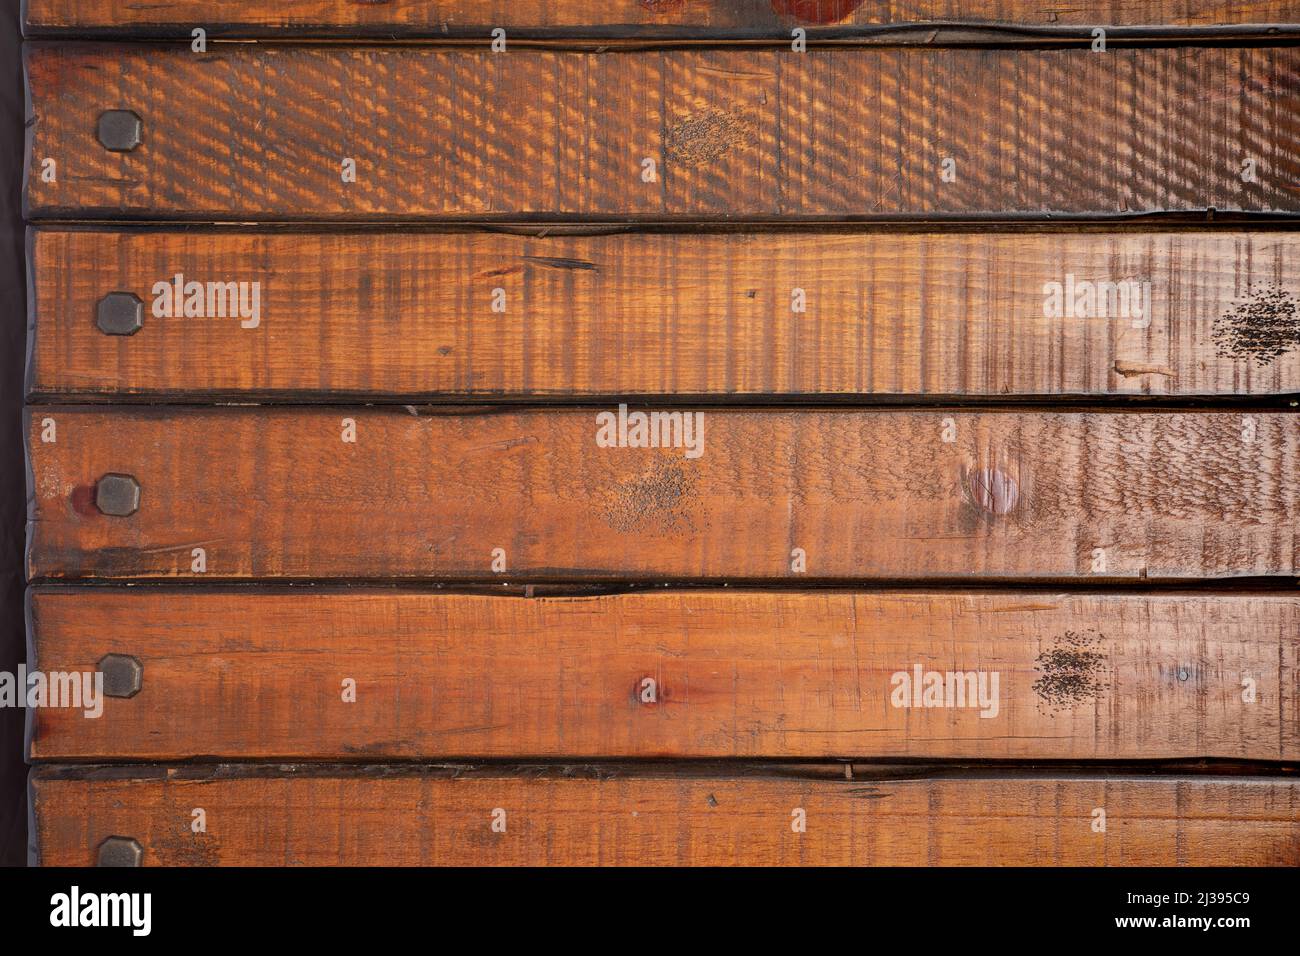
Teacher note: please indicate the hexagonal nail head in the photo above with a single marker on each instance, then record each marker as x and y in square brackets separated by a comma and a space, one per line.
[119, 130]
[119, 313]
[123, 675]
[120, 851]
[117, 495]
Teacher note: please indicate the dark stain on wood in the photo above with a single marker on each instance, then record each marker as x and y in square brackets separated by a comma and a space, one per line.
[1263, 327]
[659, 499]
[1072, 671]
[705, 137]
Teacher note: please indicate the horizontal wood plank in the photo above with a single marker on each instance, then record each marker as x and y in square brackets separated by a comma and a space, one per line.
[241, 675]
[588, 816]
[249, 131]
[728, 494]
[913, 314]
[701, 19]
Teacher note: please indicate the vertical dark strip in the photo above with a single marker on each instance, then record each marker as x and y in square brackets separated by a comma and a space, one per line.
[13, 481]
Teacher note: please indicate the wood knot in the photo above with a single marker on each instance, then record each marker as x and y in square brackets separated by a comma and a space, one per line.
[992, 490]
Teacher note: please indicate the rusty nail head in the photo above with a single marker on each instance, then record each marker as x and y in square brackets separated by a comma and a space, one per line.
[120, 851]
[119, 313]
[119, 130]
[123, 675]
[117, 495]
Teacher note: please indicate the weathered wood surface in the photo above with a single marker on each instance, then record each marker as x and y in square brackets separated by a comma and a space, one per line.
[911, 314]
[586, 816]
[701, 19]
[249, 131]
[242, 674]
[747, 493]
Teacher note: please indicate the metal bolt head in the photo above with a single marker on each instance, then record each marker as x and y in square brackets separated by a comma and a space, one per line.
[117, 495]
[123, 675]
[120, 851]
[119, 313]
[119, 130]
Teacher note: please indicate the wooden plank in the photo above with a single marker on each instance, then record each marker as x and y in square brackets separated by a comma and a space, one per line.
[250, 131]
[743, 494]
[405, 816]
[245, 675]
[910, 314]
[703, 19]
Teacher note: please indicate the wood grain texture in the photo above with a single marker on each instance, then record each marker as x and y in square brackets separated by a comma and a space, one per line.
[273, 493]
[250, 131]
[910, 314]
[630, 18]
[242, 674]
[586, 816]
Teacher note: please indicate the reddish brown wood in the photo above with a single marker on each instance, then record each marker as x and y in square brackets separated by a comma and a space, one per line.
[276, 493]
[252, 674]
[627, 18]
[908, 314]
[251, 131]
[586, 816]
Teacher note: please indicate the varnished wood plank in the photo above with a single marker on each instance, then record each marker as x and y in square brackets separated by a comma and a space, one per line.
[627, 18]
[911, 314]
[746, 493]
[250, 131]
[584, 816]
[242, 674]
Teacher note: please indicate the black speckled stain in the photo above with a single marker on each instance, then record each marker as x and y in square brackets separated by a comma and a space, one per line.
[1071, 672]
[703, 138]
[1263, 327]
